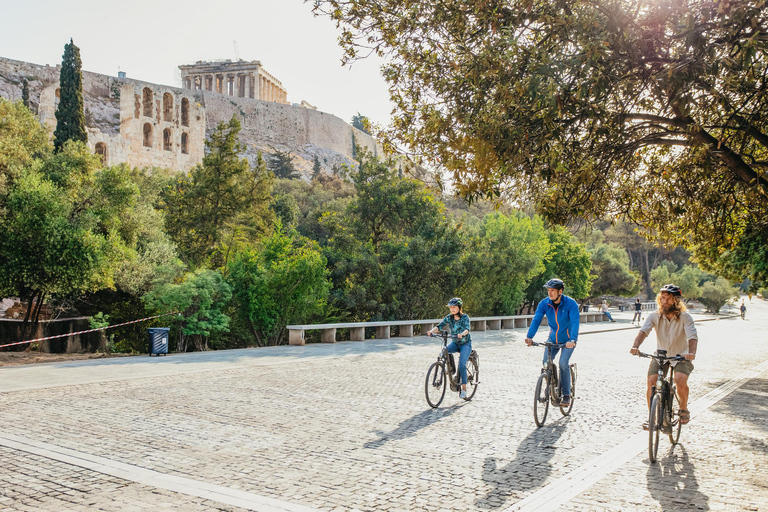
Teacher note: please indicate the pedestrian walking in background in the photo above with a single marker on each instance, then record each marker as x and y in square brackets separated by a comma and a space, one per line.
[638, 312]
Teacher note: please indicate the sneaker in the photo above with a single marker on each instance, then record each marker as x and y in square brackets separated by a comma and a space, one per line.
[566, 401]
[463, 394]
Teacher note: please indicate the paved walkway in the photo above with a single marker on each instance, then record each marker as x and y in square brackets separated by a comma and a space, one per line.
[346, 427]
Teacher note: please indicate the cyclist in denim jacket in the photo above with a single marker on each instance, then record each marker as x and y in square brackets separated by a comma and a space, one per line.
[563, 318]
[458, 324]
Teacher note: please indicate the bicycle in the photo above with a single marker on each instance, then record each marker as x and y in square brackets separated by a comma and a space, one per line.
[664, 414]
[444, 371]
[548, 387]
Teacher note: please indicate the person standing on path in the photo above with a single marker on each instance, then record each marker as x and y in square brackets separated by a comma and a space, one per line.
[676, 334]
[743, 309]
[604, 307]
[563, 319]
[638, 312]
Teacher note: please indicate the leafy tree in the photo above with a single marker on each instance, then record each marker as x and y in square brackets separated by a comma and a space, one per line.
[281, 165]
[362, 123]
[391, 250]
[316, 168]
[25, 93]
[70, 116]
[283, 283]
[200, 299]
[286, 210]
[588, 109]
[610, 272]
[715, 294]
[22, 139]
[221, 204]
[501, 260]
[52, 242]
[568, 259]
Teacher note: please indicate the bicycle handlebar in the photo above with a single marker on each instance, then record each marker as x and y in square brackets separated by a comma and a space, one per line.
[546, 344]
[677, 357]
[443, 334]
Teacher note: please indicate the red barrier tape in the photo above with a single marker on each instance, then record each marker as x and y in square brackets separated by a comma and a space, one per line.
[89, 330]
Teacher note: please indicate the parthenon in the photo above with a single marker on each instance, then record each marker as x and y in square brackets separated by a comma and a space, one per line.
[242, 79]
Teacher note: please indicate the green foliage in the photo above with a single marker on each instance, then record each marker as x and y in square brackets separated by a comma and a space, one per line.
[201, 299]
[610, 272]
[316, 168]
[22, 139]
[286, 210]
[391, 250]
[567, 259]
[715, 294]
[70, 115]
[584, 109]
[502, 258]
[222, 204]
[25, 93]
[281, 165]
[283, 283]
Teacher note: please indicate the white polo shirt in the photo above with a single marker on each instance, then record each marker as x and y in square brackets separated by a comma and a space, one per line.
[671, 335]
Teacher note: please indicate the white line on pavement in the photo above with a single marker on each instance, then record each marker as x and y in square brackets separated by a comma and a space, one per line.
[582, 478]
[151, 478]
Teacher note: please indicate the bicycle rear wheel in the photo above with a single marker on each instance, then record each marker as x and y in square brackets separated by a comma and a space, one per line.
[567, 410]
[473, 372]
[434, 386]
[674, 420]
[541, 400]
[654, 427]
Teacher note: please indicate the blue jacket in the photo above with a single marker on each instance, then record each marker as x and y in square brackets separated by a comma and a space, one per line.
[563, 319]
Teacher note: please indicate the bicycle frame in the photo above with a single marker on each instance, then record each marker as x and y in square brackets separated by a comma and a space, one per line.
[665, 391]
[447, 361]
[553, 373]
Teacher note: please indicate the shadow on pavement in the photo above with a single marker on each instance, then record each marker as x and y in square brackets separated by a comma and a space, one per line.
[528, 470]
[752, 407]
[409, 427]
[672, 482]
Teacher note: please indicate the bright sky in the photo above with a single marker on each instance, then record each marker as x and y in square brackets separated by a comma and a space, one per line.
[148, 39]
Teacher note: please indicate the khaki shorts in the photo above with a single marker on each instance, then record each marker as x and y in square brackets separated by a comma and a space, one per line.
[684, 367]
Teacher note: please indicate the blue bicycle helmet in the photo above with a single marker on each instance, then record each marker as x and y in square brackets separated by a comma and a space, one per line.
[672, 290]
[455, 302]
[557, 284]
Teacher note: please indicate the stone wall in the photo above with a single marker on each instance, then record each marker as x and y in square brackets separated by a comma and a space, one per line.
[10, 331]
[117, 121]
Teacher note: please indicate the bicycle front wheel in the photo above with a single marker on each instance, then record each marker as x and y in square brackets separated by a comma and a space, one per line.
[541, 400]
[654, 426]
[473, 373]
[567, 410]
[674, 418]
[434, 386]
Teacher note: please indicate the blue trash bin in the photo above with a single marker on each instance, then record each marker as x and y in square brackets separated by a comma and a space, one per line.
[158, 340]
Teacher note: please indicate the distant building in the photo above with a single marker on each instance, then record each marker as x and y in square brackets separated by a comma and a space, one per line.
[241, 79]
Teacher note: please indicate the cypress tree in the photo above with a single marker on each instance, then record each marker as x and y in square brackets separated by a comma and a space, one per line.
[316, 169]
[25, 93]
[70, 118]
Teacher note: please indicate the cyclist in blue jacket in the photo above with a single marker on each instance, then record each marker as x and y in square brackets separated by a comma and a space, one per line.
[563, 317]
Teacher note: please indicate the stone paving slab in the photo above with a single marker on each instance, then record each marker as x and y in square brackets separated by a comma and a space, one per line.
[349, 429]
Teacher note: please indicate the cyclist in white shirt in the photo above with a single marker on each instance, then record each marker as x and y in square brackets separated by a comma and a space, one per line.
[676, 334]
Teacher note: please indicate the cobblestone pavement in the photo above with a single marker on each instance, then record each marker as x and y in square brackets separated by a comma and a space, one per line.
[346, 427]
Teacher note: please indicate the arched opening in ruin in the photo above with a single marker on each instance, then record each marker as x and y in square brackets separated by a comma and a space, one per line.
[147, 135]
[185, 112]
[184, 143]
[168, 107]
[101, 150]
[167, 139]
[147, 102]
